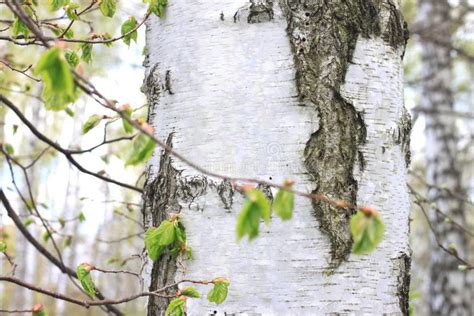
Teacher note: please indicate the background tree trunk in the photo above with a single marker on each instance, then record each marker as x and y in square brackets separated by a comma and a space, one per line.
[450, 290]
[306, 90]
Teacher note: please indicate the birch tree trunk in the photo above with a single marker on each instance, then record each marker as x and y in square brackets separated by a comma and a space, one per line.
[305, 90]
[450, 289]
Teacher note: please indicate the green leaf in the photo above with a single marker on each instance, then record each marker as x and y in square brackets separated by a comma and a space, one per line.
[71, 10]
[72, 58]
[20, 28]
[57, 4]
[127, 127]
[91, 122]
[284, 204]
[190, 292]
[127, 27]
[176, 307]
[67, 242]
[142, 149]
[157, 7]
[28, 221]
[59, 88]
[83, 274]
[151, 244]
[62, 221]
[3, 246]
[218, 293]
[86, 55]
[9, 149]
[46, 236]
[81, 217]
[367, 232]
[256, 207]
[108, 7]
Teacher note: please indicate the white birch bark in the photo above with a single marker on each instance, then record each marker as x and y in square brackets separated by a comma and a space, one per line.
[234, 109]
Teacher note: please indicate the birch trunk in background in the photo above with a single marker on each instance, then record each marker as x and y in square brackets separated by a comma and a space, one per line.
[450, 289]
[305, 90]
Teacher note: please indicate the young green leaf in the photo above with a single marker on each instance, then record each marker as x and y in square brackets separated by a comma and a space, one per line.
[3, 246]
[46, 236]
[38, 310]
[284, 203]
[108, 7]
[86, 55]
[20, 28]
[142, 149]
[176, 307]
[81, 217]
[91, 122]
[130, 24]
[256, 206]
[59, 89]
[28, 221]
[157, 7]
[9, 149]
[67, 241]
[83, 274]
[218, 293]
[57, 4]
[190, 292]
[71, 10]
[127, 111]
[367, 232]
[71, 58]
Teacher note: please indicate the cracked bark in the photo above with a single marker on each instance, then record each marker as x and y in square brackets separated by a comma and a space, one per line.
[307, 90]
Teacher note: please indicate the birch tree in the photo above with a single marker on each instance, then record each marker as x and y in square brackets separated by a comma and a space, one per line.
[271, 90]
[450, 288]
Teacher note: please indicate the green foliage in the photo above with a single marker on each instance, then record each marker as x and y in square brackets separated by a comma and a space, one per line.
[20, 28]
[59, 88]
[57, 4]
[169, 236]
[46, 236]
[176, 307]
[28, 222]
[86, 49]
[367, 231]
[157, 7]
[142, 149]
[71, 10]
[256, 207]
[3, 246]
[9, 149]
[71, 58]
[67, 241]
[81, 217]
[127, 111]
[108, 7]
[130, 24]
[83, 274]
[190, 292]
[91, 122]
[218, 293]
[284, 203]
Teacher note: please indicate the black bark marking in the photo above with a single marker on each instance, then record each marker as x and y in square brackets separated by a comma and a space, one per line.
[161, 199]
[323, 35]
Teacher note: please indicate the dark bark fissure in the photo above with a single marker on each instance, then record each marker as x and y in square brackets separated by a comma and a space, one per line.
[323, 35]
[161, 199]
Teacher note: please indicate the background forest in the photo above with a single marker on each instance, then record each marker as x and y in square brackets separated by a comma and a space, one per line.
[95, 221]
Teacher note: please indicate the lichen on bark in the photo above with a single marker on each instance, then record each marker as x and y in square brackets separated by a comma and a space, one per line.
[323, 35]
